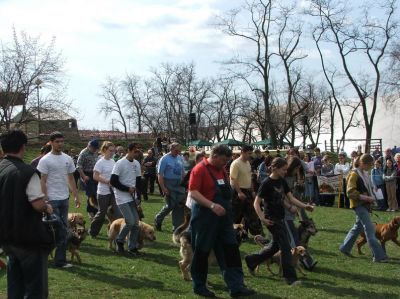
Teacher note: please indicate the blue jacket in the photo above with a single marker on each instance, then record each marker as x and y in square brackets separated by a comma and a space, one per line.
[377, 177]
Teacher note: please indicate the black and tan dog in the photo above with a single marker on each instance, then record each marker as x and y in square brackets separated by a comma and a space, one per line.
[182, 237]
[76, 234]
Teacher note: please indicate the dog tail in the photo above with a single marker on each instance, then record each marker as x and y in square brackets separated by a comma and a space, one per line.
[178, 232]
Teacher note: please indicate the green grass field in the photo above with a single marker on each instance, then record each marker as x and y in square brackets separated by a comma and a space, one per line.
[104, 274]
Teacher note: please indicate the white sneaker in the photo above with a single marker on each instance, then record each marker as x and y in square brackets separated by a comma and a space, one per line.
[66, 266]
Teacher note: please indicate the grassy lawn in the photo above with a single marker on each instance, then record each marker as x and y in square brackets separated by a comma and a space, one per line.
[104, 274]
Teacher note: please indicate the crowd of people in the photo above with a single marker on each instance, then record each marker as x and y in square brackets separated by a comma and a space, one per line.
[253, 188]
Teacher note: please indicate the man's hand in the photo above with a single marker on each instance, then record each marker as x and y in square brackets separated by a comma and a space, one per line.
[85, 178]
[49, 209]
[77, 202]
[132, 190]
[241, 196]
[267, 222]
[165, 191]
[218, 210]
[309, 207]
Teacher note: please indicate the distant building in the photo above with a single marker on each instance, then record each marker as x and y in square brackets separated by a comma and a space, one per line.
[112, 135]
[50, 120]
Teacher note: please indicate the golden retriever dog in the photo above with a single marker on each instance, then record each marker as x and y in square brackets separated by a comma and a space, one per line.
[383, 232]
[297, 252]
[146, 232]
[182, 238]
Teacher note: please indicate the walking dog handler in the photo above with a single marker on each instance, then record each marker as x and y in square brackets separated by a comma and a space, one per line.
[212, 225]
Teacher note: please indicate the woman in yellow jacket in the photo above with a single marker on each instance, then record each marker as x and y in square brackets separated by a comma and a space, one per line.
[359, 191]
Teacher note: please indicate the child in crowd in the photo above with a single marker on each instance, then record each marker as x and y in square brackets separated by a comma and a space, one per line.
[379, 183]
[273, 192]
[389, 176]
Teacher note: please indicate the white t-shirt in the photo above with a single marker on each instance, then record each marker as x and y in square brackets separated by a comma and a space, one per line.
[104, 168]
[127, 172]
[57, 168]
[34, 190]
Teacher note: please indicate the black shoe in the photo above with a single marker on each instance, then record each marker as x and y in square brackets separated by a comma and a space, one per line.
[205, 293]
[313, 265]
[243, 292]
[119, 246]
[157, 226]
[250, 267]
[134, 252]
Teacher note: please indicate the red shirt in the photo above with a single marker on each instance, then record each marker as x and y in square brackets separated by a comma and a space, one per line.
[202, 181]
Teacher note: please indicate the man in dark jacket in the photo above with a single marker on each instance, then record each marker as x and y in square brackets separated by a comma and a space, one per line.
[23, 235]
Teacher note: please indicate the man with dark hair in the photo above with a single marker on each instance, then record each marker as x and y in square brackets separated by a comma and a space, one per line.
[57, 178]
[243, 193]
[170, 175]
[212, 225]
[85, 164]
[22, 233]
[43, 151]
[123, 179]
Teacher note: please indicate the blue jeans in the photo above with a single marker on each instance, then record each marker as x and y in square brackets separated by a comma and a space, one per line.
[174, 202]
[363, 222]
[60, 208]
[128, 210]
[26, 273]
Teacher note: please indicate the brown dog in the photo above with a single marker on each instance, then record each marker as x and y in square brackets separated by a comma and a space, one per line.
[297, 252]
[383, 232]
[146, 232]
[182, 237]
[76, 220]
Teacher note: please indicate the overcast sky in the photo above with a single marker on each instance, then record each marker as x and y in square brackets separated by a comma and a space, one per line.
[109, 38]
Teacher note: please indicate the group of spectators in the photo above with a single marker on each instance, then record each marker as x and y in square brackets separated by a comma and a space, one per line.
[220, 189]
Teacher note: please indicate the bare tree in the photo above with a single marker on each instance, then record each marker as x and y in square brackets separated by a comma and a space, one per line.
[113, 101]
[267, 22]
[364, 38]
[137, 98]
[24, 63]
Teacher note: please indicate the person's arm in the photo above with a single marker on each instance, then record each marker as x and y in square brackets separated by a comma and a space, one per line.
[260, 213]
[97, 177]
[36, 196]
[74, 190]
[114, 181]
[43, 183]
[79, 167]
[203, 201]
[298, 203]
[162, 184]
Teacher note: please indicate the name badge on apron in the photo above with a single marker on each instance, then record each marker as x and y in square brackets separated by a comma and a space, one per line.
[221, 182]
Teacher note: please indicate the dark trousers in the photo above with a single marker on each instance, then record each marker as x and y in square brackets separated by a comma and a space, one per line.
[344, 201]
[244, 209]
[149, 180]
[104, 202]
[90, 188]
[210, 231]
[60, 208]
[26, 273]
[279, 242]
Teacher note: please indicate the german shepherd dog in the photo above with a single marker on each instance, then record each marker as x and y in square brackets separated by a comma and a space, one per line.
[182, 237]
